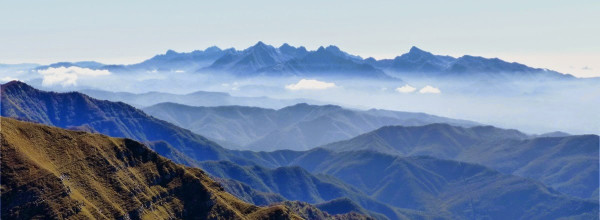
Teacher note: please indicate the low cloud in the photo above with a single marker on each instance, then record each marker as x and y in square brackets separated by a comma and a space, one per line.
[310, 84]
[8, 79]
[233, 86]
[429, 89]
[406, 89]
[67, 76]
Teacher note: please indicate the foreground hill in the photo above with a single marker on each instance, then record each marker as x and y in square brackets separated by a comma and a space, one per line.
[297, 127]
[53, 173]
[567, 163]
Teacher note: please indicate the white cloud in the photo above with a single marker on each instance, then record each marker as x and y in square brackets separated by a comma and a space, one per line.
[233, 86]
[179, 71]
[406, 89]
[8, 79]
[67, 76]
[310, 84]
[430, 89]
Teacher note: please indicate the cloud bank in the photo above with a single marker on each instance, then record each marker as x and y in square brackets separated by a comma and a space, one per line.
[430, 89]
[67, 76]
[406, 89]
[310, 84]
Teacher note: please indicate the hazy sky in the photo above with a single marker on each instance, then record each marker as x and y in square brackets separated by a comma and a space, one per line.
[560, 35]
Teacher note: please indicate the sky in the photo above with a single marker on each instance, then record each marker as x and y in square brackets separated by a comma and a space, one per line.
[559, 35]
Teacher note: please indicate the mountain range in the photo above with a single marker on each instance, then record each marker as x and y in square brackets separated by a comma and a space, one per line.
[80, 112]
[395, 187]
[297, 127]
[266, 60]
[53, 173]
[428, 184]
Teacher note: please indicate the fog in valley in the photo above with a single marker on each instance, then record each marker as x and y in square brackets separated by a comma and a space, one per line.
[531, 104]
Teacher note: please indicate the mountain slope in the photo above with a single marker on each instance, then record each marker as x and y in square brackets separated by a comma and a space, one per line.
[117, 119]
[569, 164]
[53, 173]
[79, 112]
[297, 127]
[294, 183]
[459, 189]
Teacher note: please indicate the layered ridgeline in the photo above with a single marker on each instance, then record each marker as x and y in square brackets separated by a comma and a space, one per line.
[406, 188]
[52, 173]
[297, 127]
[256, 184]
[568, 163]
[78, 111]
[379, 176]
[266, 60]
[199, 98]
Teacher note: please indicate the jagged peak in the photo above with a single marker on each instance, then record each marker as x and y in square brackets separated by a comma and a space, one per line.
[260, 44]
[333, 48]
[302, 48]
[415, 49]
[212, 49]
[170, 52]
[286, 45]
[16, 83]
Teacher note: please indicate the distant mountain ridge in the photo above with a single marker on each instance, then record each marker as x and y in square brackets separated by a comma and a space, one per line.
[198, 98]
[265, 60]
[297, 127]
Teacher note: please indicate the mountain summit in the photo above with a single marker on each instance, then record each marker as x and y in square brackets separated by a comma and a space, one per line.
[262, 59]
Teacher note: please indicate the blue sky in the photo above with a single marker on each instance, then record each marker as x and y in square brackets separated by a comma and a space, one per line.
[560, 35]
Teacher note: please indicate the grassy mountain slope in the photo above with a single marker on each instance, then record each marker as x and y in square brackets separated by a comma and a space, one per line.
[48, 172]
